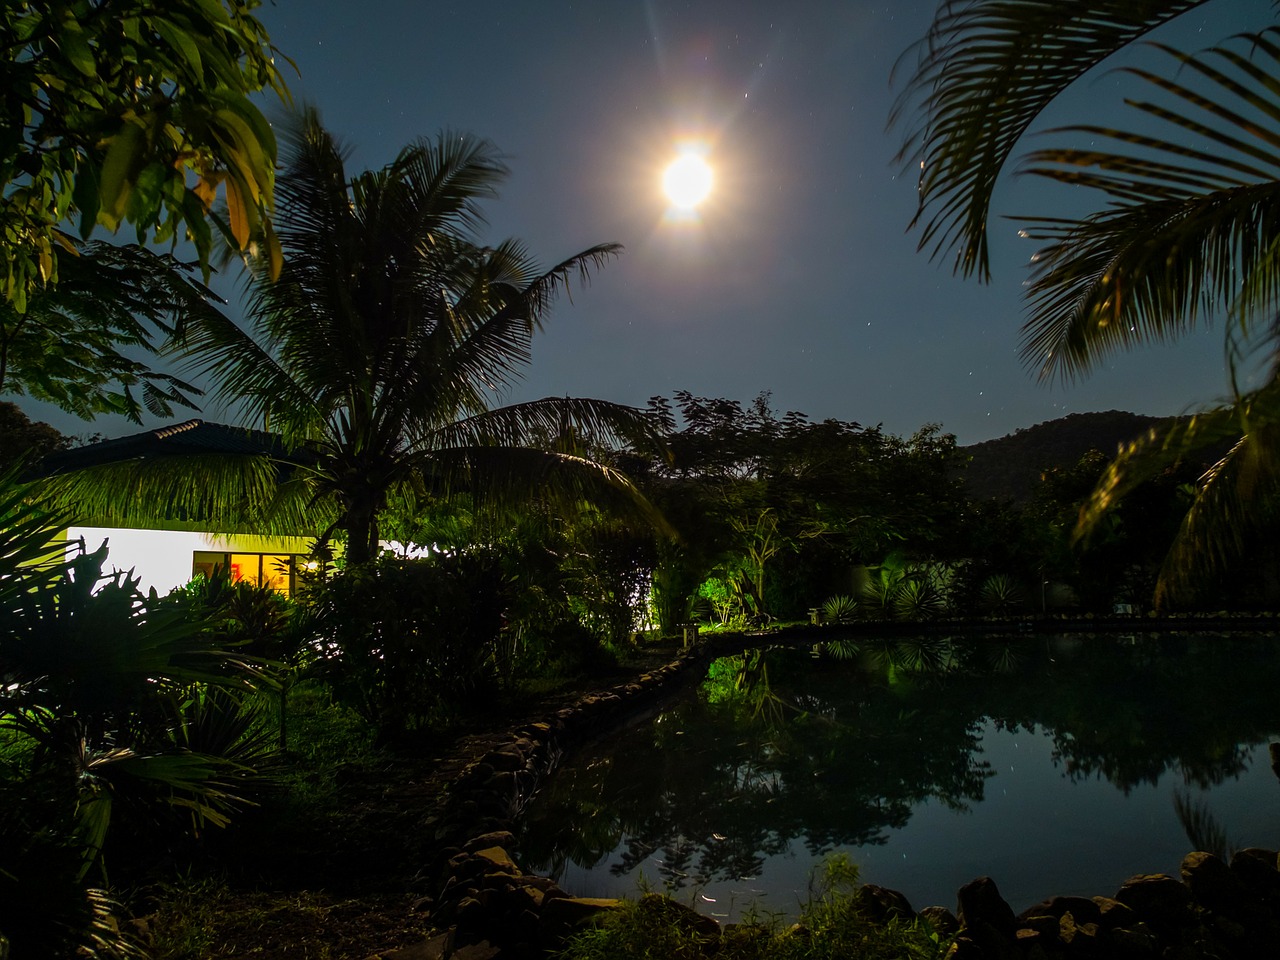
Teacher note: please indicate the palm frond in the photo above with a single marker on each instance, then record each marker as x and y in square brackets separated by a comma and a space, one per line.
[248, 373]
[1230, 498]
[29, 549]
[984, 72]
[498, 478]
[1190, 230]
[1234, 496]
[498, 314]
[564, 423]
[220, 492]
[449, 177]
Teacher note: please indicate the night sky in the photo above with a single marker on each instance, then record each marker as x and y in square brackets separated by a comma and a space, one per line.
[798, 275]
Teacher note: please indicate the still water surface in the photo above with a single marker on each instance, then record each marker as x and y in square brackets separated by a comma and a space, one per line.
[1057, 766]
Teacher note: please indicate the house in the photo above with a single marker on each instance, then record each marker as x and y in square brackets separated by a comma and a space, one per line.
[169, 553]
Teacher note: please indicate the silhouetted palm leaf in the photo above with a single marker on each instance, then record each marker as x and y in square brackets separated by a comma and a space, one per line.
[1231, 497]
[1190, 229]
[78, 342]
[984, 73]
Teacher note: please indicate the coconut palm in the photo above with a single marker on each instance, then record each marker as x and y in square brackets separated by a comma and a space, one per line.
[381, 350]
[1188, 229]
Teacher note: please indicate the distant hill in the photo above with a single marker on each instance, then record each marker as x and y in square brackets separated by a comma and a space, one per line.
[1008, 468]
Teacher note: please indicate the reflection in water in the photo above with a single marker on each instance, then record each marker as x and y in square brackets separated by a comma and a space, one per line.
[784, 751]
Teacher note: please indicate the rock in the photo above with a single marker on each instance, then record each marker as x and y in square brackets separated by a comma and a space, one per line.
[1159, 899]
[504, 784]
[469, 917]
[499, 882]
[987, 920]
[1083, 909]
[880, 904]
[1044, 923]
[496, 860]
[436, 948]
[1256, 869]
[505, 759]
[527, 898]
[476, 951]
[1137, 941]
[979, 901]
[1081, 938]
[498, 838]
[1026, 936]
[1213, 884]
[544, 884]
[687, 919]
[1113, 913]
[941, 919]
[965, 948]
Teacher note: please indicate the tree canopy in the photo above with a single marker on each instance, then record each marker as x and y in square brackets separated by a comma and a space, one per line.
[122, 111]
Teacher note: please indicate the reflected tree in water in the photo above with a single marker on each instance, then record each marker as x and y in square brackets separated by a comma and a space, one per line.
[774, 752]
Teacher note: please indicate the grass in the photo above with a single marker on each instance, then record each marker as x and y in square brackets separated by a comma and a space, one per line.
[181, 927]
[832, 926]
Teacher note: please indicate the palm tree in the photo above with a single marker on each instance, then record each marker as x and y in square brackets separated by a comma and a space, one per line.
[379, 353]
[1188, 229]
[380, 350]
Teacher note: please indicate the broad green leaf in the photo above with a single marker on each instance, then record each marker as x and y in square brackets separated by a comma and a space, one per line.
[237, 212]
[86, 199]
[79, 52]
[125, 150]
[181, 41]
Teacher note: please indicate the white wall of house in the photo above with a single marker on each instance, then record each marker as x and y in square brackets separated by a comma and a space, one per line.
[162, 558]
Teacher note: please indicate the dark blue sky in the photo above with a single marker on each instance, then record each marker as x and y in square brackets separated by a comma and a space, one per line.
[800, 277]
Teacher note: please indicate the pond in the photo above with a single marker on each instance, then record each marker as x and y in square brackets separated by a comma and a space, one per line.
[1055, 766]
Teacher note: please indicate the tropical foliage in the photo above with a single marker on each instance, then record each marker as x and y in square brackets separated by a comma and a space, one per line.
[1185, 233]
[409, 643]
[76, 343]
[779, 510]
[110, 108]
[117, 720]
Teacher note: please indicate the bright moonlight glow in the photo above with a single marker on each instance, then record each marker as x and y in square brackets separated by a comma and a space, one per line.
[687, 181]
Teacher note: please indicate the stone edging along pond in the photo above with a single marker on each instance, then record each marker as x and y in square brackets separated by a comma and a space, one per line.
[492, 909]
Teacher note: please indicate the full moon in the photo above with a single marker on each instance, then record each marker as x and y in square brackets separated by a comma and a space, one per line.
[687, 181]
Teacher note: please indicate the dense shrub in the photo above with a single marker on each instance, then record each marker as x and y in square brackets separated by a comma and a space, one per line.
[410, 643]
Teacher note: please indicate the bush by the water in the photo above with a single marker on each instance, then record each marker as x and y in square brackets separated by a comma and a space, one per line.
[834, 923]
